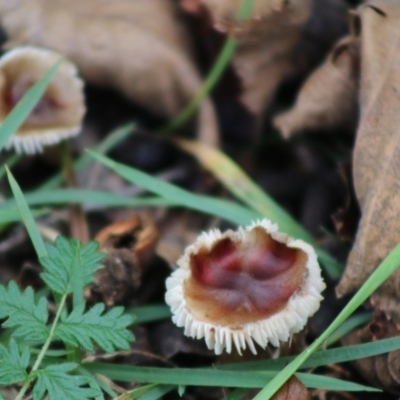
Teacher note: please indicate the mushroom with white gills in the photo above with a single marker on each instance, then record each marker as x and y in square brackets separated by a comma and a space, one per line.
[252, 285]
[59, 113]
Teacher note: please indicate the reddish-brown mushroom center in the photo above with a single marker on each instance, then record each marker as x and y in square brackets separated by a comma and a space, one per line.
[239, 282]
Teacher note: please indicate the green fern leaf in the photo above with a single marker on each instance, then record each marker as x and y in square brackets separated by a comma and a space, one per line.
[108, 330]
[23, 313]
[55, 381]
[13, 364]
[70, 265]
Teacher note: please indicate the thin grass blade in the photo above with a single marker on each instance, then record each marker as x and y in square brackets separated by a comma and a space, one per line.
[110, 141]
[27, 217]
[148, 392]
[10, 162]
[215, 74]
[144, 314]
[321, 357]
[8, 216]
[224, 209]
[82, 196]
[211, 377]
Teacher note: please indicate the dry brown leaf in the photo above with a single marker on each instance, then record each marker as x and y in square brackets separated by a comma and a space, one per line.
[265, 42]
[140, 48]
[292, 389]
[271, 42]
[382, 370]
[328, 98]
[376, 163]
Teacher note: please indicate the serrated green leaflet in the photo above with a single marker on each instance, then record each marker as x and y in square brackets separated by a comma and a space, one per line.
[13, 364]
[55, 382]
[28, 317]
[70, 265]
[108, 329]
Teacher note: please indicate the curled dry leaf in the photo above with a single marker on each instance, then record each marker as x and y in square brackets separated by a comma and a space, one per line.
[140, 48]
[376, 163]
[129, 245]
[329, 97]
[137, 234]
[383, 370]
[272, 42]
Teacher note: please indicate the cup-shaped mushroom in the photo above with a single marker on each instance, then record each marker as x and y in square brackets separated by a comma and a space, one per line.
[58, 114]
[253, 285]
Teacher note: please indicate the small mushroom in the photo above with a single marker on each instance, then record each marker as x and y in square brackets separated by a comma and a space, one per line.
[253, 285]
[58, 115]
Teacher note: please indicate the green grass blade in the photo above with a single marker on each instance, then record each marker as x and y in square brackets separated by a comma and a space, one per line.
[103, 147]
[385, 269]
[151, 313]
[322, 357]
[8, 216]
[82, 196]
[157, 392]
[210, 377]
[221, 208]
[10, 162]
[27, 217]
[25, 106]
[246, 190]
[149, 392]
[215, 74]
[348, 326]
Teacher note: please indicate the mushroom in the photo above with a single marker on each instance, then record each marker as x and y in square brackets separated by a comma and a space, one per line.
[58, 115]
[252, 285]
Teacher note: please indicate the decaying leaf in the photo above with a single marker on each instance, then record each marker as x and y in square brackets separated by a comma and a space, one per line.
[265, 42]
[383, 370]
[137, 234]
[273, 41]
[141, 48]
[129, 245]
[292, 389]
[376, 163]
[328, 98]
